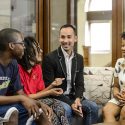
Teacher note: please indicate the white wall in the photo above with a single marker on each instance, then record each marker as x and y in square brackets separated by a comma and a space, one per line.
[95, 59]
[100, 59]
[81, 17]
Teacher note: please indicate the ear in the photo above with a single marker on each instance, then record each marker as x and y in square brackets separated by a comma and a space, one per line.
[11, 46]
[76, 39]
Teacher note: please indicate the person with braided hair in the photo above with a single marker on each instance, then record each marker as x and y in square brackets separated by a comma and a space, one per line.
[116, 105]
[31, 78]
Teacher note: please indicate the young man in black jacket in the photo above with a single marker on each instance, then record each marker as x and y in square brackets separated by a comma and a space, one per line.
[66, 63]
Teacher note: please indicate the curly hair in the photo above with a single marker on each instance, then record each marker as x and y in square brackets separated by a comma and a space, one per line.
[29, 53]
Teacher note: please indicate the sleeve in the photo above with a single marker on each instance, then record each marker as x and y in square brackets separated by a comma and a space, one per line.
[48, 70]
[79, 82]
[15, 84]
[65, 99]
[40, 85]
[117, 68]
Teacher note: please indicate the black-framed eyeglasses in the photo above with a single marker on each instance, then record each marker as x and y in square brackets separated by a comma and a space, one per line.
[21, 43]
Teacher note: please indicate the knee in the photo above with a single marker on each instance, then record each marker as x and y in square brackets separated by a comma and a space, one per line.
[89, 105]
[106, 111]
[13, 120]
[122, 113]
[94, 106]
[67, 108]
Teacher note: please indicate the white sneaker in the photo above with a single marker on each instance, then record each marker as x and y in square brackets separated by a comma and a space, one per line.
[7, 115]
[30, 120]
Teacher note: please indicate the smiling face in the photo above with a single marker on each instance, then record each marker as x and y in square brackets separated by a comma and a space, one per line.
[67, 39]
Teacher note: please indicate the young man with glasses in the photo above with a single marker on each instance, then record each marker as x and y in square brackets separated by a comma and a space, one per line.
[11, 92]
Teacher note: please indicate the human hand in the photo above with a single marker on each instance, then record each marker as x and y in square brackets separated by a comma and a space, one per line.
[77, 107]
[57, 82]
[122, 101]
[118, 95]
[46, 109]
[56, 91]
[31, 106]
[123, 92]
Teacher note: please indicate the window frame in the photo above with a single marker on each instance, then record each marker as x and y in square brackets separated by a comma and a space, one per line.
[99, 51]
[98, 17]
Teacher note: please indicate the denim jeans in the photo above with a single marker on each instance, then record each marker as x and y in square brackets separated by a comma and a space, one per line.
[90, 112]
[68, 111]
[23, 114]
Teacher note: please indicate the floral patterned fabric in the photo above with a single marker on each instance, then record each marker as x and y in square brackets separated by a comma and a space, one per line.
[120, 74]
[98, 82]
[59, 115]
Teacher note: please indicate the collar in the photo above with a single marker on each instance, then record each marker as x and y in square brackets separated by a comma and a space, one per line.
[66, 55]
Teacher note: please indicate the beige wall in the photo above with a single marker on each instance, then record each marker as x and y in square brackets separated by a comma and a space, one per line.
[100, 59]
[81, 25]
[95, 59]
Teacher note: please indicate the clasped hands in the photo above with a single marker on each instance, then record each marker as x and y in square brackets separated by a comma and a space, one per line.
[56, 91]
[120, 96]
[77, 107]
[33, 107]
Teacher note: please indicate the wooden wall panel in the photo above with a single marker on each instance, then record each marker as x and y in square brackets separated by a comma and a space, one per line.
[116, 30]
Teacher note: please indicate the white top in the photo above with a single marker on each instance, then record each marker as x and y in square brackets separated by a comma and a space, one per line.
[120, 73]
[68, 62]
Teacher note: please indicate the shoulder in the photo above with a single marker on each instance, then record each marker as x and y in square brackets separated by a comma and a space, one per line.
[53, 53]
[51, 56]
[37, 67]
[79, 57]
[14, 64]
[21, 69]
[120, 61]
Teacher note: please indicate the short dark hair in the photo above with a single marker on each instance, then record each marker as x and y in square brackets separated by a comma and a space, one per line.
[7, 35]
[69, 25]
[123, 35]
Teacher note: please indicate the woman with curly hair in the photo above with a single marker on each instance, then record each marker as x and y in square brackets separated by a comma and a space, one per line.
[31, 78]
